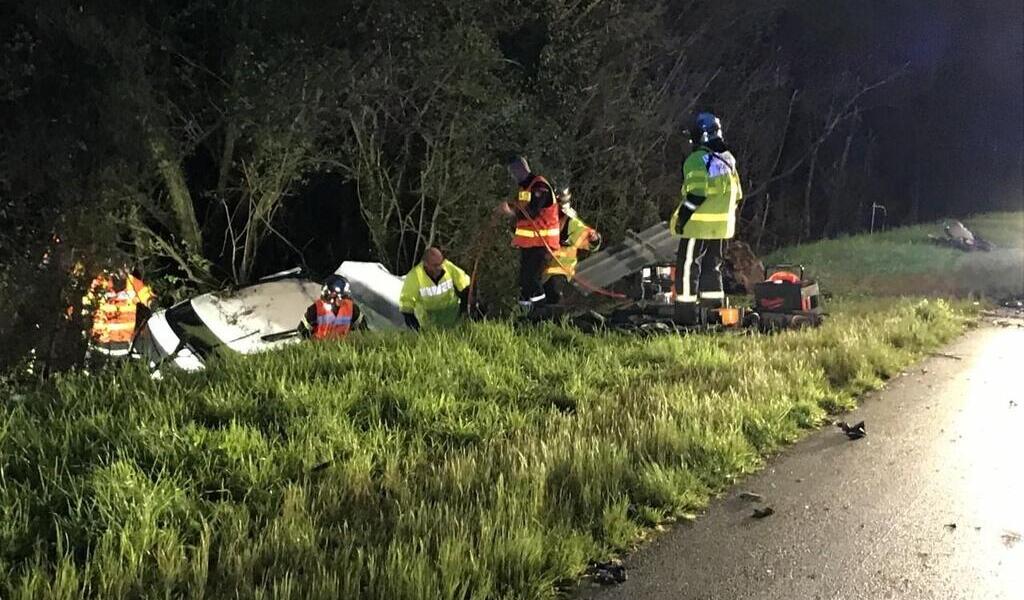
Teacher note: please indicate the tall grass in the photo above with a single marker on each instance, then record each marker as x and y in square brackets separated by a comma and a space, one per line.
[488, 462]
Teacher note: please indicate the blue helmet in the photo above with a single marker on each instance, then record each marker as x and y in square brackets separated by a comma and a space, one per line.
[706, 127]
[336, 284]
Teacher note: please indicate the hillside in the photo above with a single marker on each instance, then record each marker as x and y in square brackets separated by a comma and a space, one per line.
[904, 261]
[493, 461]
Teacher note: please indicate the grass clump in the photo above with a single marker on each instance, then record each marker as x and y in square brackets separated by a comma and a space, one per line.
[487, 462]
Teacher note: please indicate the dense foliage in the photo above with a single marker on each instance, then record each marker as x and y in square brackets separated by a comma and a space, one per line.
[211, 142]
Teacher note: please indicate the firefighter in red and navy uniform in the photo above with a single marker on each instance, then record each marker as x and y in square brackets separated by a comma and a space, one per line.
[334, 313]
[537, 229]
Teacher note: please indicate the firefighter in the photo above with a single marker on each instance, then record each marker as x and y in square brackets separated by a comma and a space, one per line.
[116, 302]
[706, 215]
[536, 229]
[435, 293]
[574, 235]
[333, 314]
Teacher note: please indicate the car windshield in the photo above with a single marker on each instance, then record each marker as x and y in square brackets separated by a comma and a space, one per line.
[184, 321]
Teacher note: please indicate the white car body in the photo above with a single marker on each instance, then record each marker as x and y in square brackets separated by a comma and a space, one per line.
[259, 317]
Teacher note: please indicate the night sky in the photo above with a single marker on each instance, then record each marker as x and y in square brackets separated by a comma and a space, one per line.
[962, 128]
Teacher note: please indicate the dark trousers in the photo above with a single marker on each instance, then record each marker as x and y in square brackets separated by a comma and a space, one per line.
[532, 262]
[699, 272]
[555, 288]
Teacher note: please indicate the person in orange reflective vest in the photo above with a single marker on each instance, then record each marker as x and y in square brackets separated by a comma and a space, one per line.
[115, 303]
[334, 314]
[537, 229]
[574, 235]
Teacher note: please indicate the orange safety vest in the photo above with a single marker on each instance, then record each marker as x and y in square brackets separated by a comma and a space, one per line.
[113, 318]
[542, 230]
[330, 324]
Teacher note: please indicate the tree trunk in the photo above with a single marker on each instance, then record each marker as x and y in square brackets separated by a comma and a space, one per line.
[836, 200]
[248, 251]
[807, 193]
[169, 167]
[226, 159]
[764, 221]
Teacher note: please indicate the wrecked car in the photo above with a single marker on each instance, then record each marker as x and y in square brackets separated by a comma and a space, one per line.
[258, 317]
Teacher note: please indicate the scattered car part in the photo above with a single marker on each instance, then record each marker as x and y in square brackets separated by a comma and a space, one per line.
[854, 432]
[376, 291]
[608, 573]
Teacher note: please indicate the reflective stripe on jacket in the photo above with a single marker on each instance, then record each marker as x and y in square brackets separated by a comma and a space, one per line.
[541, 230]
[331, 324]
[575, 237]
[434, 304]
[114, 312]
[714, 177]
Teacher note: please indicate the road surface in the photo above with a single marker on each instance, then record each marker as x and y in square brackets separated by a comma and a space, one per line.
[930, 505]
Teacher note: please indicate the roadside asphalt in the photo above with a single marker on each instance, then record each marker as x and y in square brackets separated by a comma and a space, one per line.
[929, 505]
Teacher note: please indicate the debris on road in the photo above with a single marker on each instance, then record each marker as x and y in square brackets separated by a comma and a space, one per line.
[1010, 538]
[944, 355]
[1005, 323]
[854, 432]
[1008, 313]
[950, 526]
[760, 513]
[612, 572]
[751, 497]
[959, 237]
[1017, 303]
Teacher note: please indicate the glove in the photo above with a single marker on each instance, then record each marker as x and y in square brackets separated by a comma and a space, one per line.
[689, 205]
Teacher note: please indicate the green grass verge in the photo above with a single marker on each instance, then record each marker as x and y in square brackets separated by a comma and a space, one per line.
[904, 261]
[488, 462]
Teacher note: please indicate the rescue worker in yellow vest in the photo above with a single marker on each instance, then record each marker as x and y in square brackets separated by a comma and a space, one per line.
[115, 302]
[435, 293]
[574, 235]
[334, 314]
[706, 215]
[536, 232]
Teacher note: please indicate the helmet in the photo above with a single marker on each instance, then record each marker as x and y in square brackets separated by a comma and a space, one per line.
[706, 127]
[518, 168]
[564, 198]
[335, 284]
[564, 195]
